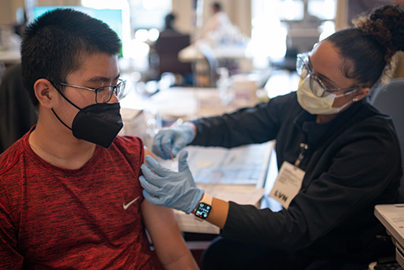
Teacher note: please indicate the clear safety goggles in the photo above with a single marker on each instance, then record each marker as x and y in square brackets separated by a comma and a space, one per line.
[304, 69]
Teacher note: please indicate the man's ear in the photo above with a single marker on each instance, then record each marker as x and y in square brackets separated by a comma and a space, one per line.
[361, 93]
[44, 92]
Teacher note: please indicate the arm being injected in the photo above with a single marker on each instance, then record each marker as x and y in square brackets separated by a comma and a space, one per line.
[177, 190]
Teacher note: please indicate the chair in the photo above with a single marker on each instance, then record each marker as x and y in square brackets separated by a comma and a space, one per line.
[167, 48]
[288, 62]
[207, 66]
[389, 98]
[17, 113]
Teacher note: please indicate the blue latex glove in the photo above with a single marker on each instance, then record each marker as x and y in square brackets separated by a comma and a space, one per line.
[172, 140]
[171, 189]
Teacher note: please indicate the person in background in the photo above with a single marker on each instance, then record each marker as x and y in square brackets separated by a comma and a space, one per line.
[329, 138]
[69, 193]
[218, 28]
[169, 26]
[167, 47]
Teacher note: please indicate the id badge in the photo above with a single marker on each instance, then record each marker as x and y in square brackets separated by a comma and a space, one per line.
[287, 184]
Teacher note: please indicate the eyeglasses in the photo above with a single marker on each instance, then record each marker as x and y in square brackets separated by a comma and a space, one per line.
[304, 69]
[104, 93]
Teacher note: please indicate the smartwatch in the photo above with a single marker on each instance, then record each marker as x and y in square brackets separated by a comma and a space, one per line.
[204, 207]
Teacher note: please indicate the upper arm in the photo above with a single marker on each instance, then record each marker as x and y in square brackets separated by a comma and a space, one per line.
[166, 237]
[10, 257]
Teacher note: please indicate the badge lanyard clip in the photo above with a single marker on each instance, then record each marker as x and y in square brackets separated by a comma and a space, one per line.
[303, 150]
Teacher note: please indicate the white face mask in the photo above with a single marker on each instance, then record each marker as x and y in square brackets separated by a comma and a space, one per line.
[314, 104]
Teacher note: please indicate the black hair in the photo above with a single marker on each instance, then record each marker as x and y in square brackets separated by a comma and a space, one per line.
[217, 6]
[370, 45]
[52, 45]
[169, 20]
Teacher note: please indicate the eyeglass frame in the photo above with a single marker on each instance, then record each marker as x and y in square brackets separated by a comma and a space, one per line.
[305, 63]
[95, 90]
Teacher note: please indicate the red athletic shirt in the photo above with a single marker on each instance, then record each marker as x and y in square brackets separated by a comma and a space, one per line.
[52, 217]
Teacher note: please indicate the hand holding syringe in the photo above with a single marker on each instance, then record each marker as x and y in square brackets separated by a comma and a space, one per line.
[173, 189]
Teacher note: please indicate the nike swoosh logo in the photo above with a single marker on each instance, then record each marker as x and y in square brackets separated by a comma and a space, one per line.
[125, 206]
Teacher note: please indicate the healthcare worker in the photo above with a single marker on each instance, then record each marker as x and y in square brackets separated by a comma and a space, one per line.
[344, 152]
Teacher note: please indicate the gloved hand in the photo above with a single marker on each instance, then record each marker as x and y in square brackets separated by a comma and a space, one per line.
[171, 189]
[172, 140]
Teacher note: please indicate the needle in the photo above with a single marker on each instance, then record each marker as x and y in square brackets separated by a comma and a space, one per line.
[172, 161]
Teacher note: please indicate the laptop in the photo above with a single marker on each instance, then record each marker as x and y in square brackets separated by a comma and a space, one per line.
[392, 217]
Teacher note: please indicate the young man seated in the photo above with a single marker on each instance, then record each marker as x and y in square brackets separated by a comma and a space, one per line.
[69, 191]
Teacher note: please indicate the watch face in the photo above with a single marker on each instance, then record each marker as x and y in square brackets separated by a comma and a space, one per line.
[203, 210]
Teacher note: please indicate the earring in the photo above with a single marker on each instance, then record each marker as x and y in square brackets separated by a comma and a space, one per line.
[355, 99]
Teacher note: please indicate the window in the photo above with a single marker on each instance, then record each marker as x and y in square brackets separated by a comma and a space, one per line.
[276, 22]
[146, 14]
[115, 14]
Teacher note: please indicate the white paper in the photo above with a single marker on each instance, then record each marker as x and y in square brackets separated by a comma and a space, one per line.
[236, 166]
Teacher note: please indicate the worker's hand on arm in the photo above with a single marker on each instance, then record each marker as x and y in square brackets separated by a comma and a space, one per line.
[172, 140]
[168, 188]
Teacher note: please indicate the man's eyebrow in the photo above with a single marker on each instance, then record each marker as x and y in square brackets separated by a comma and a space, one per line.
[103, 79]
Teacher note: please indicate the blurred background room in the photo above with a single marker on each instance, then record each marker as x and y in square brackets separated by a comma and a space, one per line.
[243, 51]
[184, 59]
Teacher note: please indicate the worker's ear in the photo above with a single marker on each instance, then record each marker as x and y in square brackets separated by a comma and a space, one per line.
[45, 92]
[361, 93]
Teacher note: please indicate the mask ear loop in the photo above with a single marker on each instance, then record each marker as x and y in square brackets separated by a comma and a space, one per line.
[344, 94]
[60, 120]
[74, 105]
[60, 92]
[349, 102]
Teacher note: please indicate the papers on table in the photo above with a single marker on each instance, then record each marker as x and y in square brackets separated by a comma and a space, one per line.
[237, 166]
[392, 217]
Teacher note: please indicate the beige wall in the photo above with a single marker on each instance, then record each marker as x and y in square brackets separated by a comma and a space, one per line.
[239, 12]
[183, 11]
[8, 9]
[341, 18]
[58, 2]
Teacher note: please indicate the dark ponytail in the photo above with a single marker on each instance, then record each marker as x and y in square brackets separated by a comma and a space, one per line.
[370, 46]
